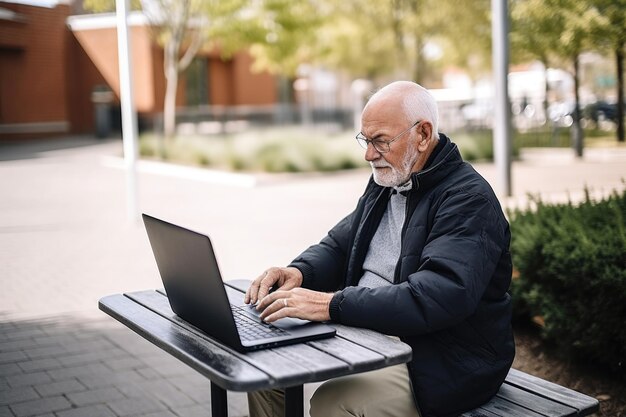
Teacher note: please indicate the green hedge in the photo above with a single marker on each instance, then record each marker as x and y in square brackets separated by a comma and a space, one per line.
[570, 276]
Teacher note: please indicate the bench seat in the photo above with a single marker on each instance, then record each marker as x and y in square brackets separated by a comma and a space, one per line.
[524, 395]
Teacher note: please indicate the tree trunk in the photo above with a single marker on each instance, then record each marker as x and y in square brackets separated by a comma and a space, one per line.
[546, 102]
[619, 55]
[171, 76]
[576, 131]
[420, 62]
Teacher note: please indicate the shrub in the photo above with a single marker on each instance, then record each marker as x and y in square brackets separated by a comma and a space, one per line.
[570, 276]
[270, 150]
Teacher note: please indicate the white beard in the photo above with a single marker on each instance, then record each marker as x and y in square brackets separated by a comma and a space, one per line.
[393, 177]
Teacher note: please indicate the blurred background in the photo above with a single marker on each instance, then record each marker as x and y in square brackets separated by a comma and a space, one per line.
[216, 69]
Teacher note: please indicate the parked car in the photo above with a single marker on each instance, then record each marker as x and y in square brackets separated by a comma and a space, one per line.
[601, 110]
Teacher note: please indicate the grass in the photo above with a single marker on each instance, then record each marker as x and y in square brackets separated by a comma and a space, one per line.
[296, 149]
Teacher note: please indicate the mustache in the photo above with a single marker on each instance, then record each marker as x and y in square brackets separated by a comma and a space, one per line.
[380, 164]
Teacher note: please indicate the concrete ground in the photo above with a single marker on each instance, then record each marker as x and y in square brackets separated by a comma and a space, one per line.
[66, 241]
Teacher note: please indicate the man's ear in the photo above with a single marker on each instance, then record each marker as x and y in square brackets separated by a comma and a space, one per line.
[424, 136]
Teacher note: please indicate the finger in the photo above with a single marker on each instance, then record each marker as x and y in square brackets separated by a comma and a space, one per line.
[266, 284]
[269, 299]
[273, 311]
[253, 289]
[256, 287]
[281, 314]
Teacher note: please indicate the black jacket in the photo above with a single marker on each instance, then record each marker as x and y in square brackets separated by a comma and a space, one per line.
[449, 300]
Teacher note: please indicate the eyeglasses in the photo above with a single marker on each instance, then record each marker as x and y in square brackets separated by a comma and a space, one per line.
[382, 146]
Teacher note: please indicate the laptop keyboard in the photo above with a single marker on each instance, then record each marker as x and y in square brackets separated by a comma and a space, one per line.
[249, 329]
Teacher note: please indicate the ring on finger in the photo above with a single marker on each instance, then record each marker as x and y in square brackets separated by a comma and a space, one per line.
[285, 302]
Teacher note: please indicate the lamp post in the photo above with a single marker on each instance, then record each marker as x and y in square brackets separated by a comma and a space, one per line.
[502, 121]
[129, 115]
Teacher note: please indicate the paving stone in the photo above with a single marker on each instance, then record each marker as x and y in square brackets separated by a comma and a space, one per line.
[238, 404]
[161, 360]
[16, 395]
[16, 345]
[165, 413]
[109, 378]
[60, 387]
[95, 396]
[5, 412]
[13, 356]
[10, 369]
[92, 369]
[99, 410]
[55, 339]
[236, 408]
[93, 356]
[165, 392]
[39, 364]
[66, 350]
[34, 378]
[45, 352]
[195, 386]
[124, 363]
[132, 406]
[148, 373]
[23, 333]
[3, 385]
[193, 411]
[84, 346]
[40, 406]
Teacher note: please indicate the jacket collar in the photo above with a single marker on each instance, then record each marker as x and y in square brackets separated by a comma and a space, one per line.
[446, 160]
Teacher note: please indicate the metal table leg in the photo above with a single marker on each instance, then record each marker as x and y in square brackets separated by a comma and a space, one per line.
[294, 401]
[219, 403]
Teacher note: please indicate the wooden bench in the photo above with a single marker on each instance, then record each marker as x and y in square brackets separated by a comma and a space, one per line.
[353, 350]
[524, 395]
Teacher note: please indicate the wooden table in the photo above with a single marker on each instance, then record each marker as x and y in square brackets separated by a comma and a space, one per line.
[351, 351]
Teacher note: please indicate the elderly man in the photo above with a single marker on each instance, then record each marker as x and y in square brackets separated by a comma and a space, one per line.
[423, 257]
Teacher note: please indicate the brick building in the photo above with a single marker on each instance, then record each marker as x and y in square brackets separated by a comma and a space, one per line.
[52, 61]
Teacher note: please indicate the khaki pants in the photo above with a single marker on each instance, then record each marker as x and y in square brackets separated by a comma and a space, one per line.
[385, 393]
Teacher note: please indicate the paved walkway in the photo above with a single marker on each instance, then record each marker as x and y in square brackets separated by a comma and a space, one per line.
[65, 242]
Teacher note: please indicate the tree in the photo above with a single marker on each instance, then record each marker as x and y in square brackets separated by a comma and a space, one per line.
[371, 38]
[181, 27]
[565, 26]
[532, 36]
[609, 32]
[175, 23]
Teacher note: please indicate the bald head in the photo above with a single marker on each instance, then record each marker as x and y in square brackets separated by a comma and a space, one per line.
[413, 100]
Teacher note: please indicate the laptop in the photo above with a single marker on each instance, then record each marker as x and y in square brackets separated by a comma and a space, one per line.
[197, 294]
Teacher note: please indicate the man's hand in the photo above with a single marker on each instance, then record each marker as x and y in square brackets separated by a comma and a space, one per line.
[298, 302]
[285, 278]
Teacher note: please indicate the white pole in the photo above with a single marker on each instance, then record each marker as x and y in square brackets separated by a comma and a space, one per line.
[129, 116]
[502, 121]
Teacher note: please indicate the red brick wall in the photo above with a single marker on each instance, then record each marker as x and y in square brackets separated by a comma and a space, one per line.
[251, 88]
[83, 76]
[32, 65]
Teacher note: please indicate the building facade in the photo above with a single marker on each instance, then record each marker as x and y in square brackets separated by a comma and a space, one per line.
[56, 68]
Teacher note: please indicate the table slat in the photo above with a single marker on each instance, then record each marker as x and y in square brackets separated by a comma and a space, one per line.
[355, 356]
[279, 367]
[203, 355]
[378, 342]
[285, 364]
